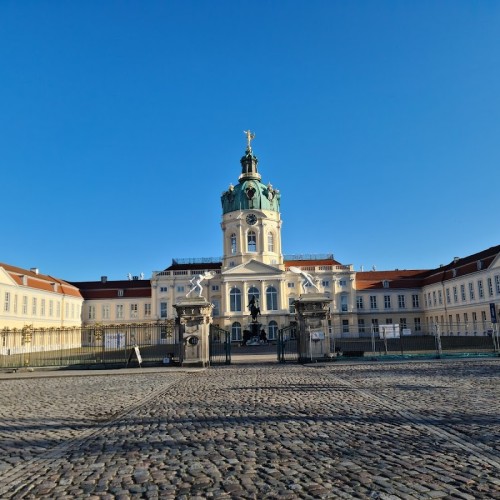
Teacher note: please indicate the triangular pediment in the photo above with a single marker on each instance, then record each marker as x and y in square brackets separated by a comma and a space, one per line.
[251, 268]
[6, 278]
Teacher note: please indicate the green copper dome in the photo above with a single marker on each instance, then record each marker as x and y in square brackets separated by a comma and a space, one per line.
[250, 193]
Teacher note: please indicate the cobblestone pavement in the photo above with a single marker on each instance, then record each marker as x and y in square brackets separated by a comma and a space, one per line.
[425, 430]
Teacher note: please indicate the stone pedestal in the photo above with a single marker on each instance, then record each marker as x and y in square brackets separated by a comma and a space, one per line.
[194, 316]
[313, 338]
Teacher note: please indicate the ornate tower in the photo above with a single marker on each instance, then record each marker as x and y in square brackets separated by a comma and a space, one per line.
[251, 223]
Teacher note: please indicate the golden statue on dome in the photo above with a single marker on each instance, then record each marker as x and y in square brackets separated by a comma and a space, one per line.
[250, 138]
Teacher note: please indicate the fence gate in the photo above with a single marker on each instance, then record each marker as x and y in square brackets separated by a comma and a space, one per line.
[287, 344]
[219, 346]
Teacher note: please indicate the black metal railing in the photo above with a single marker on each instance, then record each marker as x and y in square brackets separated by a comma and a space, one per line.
[89, 346]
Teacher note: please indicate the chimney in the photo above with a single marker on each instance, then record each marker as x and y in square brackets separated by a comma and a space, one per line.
[455, 259]
[104, 279]
[34, 270]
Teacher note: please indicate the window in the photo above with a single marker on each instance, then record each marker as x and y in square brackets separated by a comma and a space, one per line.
[271, 299]
[345, 326]
[361, 325]
[416, 324]
[455, 294]
[51, 308]
[216, 308]
[270, 242]
[163, 309]
[253, 292]
[497, 283]
[134, 311]
[105, 311]
[72, 310]
[42, 307]
[15, 304]
[342, 283]
[440, 297]
[490, 287]
[343, 303]
[401, 302]
[58, 309]
[388, 321]
[402, 324]
[163, 289]
[180, 288]
[448, 297]
[434, 298]
[291, 284]
[483, 315]
[25, 304]
[291, 305]
[236, 332]
[272, 330]
[252, 241]
[119, 311]
[373, 302]
[415, 300]
[462, 292]
[91, 312]
[233, 243]
[34, 307]
[480, 289]
[471, 291]
[215, 288]
[387, 301]
[375, 325]
[325, 283]
[235, 301]
[147, 310]
[359, 302]
[6, 305]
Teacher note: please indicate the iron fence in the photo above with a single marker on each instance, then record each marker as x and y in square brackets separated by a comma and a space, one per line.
[90, 346]
[438, 340]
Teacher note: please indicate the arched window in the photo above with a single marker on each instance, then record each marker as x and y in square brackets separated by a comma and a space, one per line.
[270, 242]
[253, 292]
[271, 299]
[216, 308]
[235, 299]
[272, 330]
[233, 243]
[252, 241]
[236, 332]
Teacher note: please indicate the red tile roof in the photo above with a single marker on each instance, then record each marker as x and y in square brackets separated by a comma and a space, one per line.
[40, 281]
[109, 289]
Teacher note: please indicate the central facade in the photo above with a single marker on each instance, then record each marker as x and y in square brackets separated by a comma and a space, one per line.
[252, 268]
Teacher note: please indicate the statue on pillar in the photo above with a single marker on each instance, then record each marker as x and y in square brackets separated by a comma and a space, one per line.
[307, 279]
[196, 282]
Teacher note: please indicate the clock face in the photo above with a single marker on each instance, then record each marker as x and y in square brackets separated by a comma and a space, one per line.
[251, 219]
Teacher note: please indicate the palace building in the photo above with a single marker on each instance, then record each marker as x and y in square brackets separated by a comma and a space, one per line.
[462, 297]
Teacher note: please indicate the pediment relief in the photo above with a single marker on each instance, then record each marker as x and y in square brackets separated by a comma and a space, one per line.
[253, 267]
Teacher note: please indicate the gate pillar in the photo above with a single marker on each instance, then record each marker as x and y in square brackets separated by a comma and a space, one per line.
[313, 339]
[194, 316]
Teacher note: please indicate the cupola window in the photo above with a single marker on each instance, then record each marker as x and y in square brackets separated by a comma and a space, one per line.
[252, 241]
[270, 242]
[233, 243]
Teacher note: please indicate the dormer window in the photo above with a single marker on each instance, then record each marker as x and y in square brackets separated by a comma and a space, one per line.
[385, 284]
[479, 265]
[120, 293]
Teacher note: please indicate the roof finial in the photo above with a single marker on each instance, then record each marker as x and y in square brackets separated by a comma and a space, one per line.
[250, 138]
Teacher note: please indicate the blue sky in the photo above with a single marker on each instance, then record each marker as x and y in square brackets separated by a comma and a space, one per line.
[121, 123]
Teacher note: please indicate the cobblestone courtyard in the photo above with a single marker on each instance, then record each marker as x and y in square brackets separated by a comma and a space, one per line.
[388, 431]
